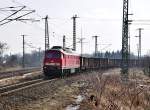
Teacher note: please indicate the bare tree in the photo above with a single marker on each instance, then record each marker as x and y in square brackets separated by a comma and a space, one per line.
[3, 47]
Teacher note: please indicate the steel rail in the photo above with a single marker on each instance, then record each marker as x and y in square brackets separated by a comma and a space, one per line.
[9, 74]
[5, 88]
[5, 93]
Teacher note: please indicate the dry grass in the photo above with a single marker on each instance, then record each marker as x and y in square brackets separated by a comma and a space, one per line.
[102, 91]
[110, 93]
[5, 69]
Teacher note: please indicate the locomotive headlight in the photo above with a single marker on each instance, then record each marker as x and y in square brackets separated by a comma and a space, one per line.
[57, 64]
[53, 64]
[45, 67]
[47, 64]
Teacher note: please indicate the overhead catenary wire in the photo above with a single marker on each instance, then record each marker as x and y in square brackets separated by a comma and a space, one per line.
[140, 23]
[19, 3]
[11, 7]
[9, 19]
[31, 46]
[13, 13]
[37, 26]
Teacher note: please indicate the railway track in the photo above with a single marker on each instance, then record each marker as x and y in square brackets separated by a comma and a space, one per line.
[4, 91]
[13, 88]
[18, 72]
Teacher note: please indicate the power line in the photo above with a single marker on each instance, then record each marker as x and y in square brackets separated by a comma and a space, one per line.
[19, 3]
[99, 19]
[108, 45]
[12, 13]
[141, 20]
[31, 46]
[140, 23]
[18, 18]
[31, 19]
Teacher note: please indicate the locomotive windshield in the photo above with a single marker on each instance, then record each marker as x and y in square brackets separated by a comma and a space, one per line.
[54, 54]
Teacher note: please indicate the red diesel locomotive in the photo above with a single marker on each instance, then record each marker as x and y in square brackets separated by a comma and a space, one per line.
[59, 61]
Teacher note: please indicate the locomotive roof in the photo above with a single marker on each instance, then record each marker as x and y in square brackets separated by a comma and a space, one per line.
[64, 50]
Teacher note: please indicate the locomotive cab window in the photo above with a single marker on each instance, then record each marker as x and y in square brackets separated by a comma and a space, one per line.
[53, 55]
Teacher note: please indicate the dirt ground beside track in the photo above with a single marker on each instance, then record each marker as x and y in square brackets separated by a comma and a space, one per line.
[96, 91]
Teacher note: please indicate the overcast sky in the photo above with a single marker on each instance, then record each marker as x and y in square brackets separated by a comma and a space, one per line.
[97, 17]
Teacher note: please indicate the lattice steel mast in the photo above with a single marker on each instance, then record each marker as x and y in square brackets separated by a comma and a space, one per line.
[23, 52]
[74, 32]
[46, 34]
[64, 41]
[139, 46]
[140, 29]
[96, 45]
[125, 54]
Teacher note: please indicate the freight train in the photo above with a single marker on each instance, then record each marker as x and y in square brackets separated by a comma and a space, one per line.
[61, 62]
